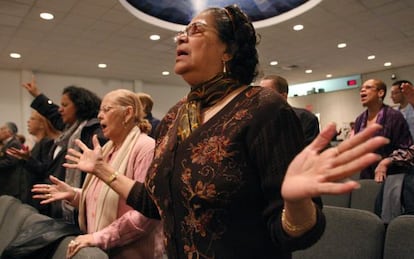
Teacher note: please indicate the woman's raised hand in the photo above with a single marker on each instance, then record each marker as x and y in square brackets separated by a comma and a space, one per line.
[314, 172]
[88, 160]
[56, 191]
[31, 87]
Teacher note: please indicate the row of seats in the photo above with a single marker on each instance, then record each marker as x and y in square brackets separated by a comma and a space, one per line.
[355, 234]
[16, 217]
[362, 198]
[353, 231]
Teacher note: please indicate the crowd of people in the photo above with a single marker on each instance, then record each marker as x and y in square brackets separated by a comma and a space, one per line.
[231, 171]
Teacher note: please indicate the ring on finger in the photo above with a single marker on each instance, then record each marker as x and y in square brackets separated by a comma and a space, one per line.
[49, 195]
[73, 243]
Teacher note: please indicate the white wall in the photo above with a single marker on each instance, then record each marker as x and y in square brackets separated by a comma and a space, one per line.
[10, 97]
[340, 107]
[165, 96]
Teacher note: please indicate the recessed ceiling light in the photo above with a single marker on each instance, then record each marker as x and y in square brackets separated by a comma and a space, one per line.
[15, 55]
[308, 71]
[165, 73]
[341, 45]
[387, 64]
[298, 27]
[102, 65]
[274, 63]
[371, 57]
[329, 75]
[46, 16]
[155, 37]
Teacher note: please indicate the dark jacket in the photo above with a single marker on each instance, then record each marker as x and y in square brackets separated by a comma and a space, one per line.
[48, 109]
[10, 172]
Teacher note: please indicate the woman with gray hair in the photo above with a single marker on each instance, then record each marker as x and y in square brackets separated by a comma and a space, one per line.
[105, 218]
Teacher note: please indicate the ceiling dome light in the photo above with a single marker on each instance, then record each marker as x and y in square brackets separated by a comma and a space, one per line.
[387, 64]
[329, 75]
[308, 71]
[155, 37]
[341, 45]
[298, 27]
[371, 57]
[47, 16]
[165, 73]
[102, 65]
[15, 55]
[274, 63]
[263, 13]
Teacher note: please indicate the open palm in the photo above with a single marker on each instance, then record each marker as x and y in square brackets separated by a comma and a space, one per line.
[313, 173]
[56, 191]
[88, 159]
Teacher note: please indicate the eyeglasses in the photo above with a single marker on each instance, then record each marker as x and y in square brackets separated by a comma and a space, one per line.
[191, 30]
[106, 109]
[368, 88]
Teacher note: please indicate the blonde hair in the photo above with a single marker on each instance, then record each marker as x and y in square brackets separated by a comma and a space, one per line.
[127, 98]
[48, 128]
[146, 101]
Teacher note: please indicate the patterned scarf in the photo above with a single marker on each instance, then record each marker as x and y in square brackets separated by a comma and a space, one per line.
[200, 97]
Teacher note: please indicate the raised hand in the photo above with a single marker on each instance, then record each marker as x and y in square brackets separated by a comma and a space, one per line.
[313, 173]
[88, 160]
[23, 154]
[31, 87]
[408, 91]
[56, 191]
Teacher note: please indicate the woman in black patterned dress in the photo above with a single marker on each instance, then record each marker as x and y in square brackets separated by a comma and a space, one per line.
[220, 180]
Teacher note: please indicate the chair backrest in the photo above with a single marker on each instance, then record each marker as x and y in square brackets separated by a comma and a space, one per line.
[349, 234]
[399, 238]
[341, 200]
[364, 197]
[14, 214]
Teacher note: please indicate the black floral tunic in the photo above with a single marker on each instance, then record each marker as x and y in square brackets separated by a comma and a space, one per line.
[218, 191]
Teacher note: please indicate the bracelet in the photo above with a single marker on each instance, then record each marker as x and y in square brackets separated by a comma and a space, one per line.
[298, 228]
[112, 178]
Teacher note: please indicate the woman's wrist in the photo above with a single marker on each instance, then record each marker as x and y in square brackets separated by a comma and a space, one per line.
[298, 218]
[112, 178]
[104, 172]
[74, 200]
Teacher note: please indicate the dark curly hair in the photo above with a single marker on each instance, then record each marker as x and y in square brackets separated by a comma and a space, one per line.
[86, 102]
[237, 32]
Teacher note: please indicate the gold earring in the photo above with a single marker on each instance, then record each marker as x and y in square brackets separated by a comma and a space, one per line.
[224, 67]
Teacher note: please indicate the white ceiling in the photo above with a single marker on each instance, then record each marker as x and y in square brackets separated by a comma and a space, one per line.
[87, 32]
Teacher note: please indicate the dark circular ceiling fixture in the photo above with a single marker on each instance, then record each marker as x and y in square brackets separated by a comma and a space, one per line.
[174, 14]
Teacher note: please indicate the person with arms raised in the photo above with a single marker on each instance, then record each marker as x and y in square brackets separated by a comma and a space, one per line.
[105, 218]
[76, 118]
[220, 180]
